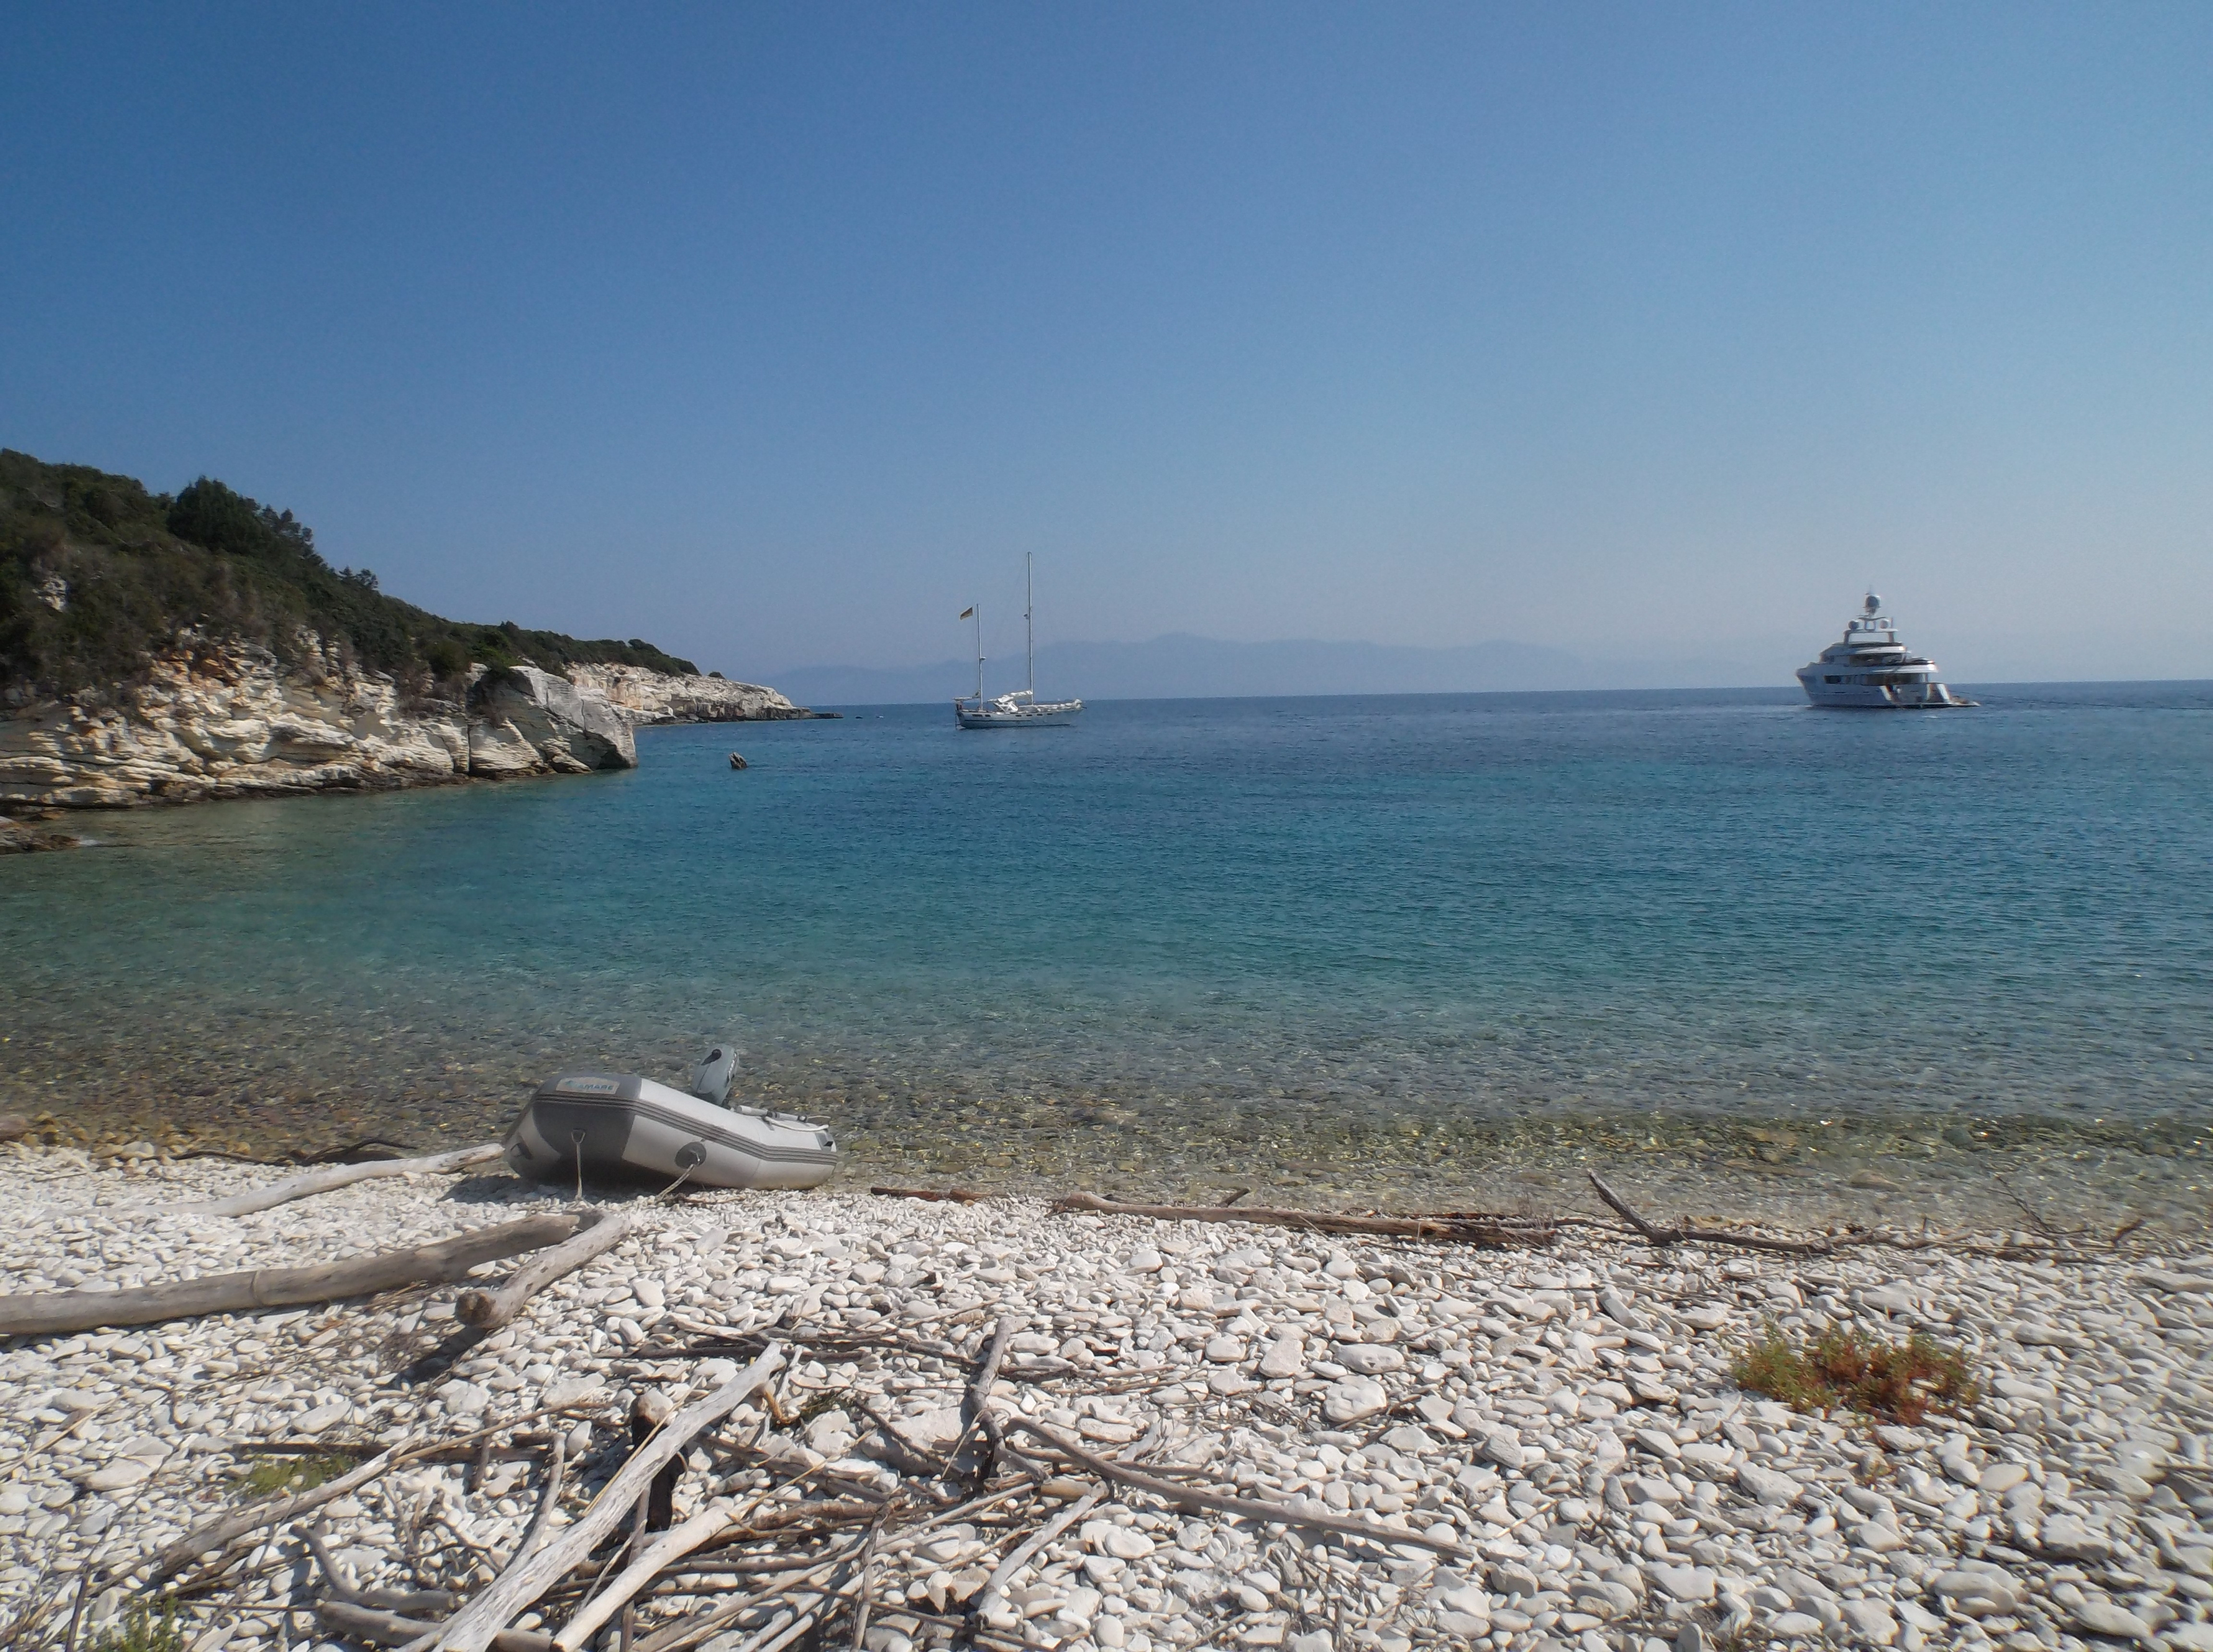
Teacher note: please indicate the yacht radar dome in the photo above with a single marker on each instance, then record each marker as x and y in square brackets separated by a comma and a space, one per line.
[1874, 603]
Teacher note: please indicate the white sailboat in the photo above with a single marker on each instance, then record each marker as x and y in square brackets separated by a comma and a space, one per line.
[1021, 709]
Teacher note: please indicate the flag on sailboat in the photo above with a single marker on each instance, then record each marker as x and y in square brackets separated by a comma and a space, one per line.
[966, 613]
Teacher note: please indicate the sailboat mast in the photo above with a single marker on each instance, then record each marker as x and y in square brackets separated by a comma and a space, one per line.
[979, 653]
[1029, 635]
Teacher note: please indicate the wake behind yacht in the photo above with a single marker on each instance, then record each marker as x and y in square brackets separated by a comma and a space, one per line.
[1022, 709]
[1870, 670]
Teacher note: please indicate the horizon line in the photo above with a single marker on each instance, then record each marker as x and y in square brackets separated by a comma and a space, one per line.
[1789, 693]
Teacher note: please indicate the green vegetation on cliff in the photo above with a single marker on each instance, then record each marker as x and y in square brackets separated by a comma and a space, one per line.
[98, 575]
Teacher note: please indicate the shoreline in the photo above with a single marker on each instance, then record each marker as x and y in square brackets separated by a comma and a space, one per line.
[2035, 1175]
[1564, 1414]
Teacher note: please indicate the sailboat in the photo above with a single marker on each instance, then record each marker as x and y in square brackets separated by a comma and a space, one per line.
[1021, 709]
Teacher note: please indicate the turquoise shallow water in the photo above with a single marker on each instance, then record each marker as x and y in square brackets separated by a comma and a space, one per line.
[1251, 920]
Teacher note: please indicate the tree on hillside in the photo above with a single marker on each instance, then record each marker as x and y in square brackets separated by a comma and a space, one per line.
[209, 514]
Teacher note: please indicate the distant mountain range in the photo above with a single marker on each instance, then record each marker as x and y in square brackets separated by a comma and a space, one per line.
[1183, 667]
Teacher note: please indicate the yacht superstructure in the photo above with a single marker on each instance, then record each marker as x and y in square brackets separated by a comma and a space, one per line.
[1022, 709]
[1871, 670]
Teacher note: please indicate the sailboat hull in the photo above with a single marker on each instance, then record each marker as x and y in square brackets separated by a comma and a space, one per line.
[996, 714]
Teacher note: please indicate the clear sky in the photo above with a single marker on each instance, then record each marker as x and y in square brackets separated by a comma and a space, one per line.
[779, 334]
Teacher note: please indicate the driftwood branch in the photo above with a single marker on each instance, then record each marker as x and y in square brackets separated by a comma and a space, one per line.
[976, 1406]
[657, 1508]
[237, 1293]
[356, 1622]
[471, 1629]
[219, 1532]
[403, 1601]
[1681, 1234]
[599, 1231]
[979, 1387]
[861, 1606]
[1021, 1557]
[1245, 1508]
[315, 1181]
[950, 1195]
[896, 1451]
[696, 1533]
[549, 1498]
[1465, 1228]
[700, 1625]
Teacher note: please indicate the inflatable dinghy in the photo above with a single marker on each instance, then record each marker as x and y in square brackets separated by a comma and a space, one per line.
[620, 1127]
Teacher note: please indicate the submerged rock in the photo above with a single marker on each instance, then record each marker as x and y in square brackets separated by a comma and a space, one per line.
[15, 839]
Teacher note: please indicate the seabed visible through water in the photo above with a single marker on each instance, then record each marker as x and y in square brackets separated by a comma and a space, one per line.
[1438, 952]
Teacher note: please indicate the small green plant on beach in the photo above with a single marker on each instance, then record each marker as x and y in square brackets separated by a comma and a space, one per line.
[144, 1630]
[1892, 1382]
[273, 1474]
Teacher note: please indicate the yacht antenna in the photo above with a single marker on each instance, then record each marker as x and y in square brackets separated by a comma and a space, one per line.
[1029, 635]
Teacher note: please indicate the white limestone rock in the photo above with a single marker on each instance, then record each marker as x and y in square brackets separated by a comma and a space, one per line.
[1354, 1398]
[233, 720]
[643, 695]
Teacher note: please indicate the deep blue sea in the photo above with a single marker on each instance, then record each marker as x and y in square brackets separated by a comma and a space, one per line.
[1469, 907]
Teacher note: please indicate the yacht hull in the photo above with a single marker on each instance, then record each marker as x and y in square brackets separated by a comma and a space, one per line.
[1871, 696]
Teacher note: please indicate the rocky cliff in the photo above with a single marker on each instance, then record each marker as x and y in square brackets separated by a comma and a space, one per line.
[171, 648]
[227, 719]
[644, 696]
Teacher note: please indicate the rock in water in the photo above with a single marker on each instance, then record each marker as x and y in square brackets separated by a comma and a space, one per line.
[16, 838]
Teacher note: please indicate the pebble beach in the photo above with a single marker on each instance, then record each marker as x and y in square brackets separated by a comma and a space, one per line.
[1548, 1439]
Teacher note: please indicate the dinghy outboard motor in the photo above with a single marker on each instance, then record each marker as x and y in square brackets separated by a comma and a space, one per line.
[712, 1078]
[619, 1126]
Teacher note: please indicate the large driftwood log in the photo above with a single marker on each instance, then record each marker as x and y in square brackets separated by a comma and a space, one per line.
[240, 1293]
[1247, 1508]
[1463, 1228]
[471, 1629]
[1681, 1234]
[601, 1231]
[316, 1181]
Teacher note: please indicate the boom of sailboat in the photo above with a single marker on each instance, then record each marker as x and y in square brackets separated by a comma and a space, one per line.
[1020, 708]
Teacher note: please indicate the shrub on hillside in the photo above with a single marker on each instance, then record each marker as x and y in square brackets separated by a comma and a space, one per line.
[98, 577]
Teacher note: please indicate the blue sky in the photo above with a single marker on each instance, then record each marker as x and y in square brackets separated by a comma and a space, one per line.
[779, 334]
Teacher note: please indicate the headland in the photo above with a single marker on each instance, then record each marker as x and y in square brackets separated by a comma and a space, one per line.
[177, 650]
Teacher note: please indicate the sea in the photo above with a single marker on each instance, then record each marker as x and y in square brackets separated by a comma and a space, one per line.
[1393, 952]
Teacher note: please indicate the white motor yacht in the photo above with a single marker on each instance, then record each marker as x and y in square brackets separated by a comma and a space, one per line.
[1022, 709]
[1870, 670]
